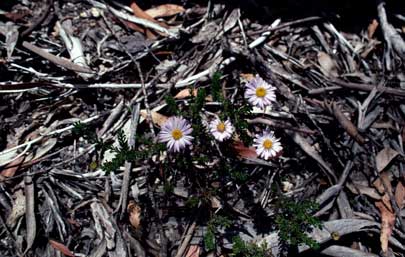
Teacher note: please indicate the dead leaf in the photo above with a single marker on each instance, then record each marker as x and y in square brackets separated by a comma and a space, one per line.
[44, 148]
[243, 151]
[185, 93]
[232, 20]
[400, 195]
[11, 38]
[372, 27]
[247, 76]
[327, 64]
[150, 35]
[215, 202]
[379, 186]
[157, 118]
[134, 214]
[6, 157]
[193, 251]
[12, 167]
[30, 221]
[27, 160]
[383, 184]
[364, 190]
[133, 26]
[17, 16]
[206, 33]
[62, 248]
[18, 208]
[138, 12]
[387, 224]
[165, 10]
[384, 157]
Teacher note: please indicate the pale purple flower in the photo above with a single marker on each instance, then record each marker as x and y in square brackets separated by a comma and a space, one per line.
[260, 93]
[267, 145]
[176, 133]
[221, 130]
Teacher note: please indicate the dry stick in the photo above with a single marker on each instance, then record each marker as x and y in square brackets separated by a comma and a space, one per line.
[310, 150]
[132, 18]
[323, 90]
[55, 59]
[350, 128]
[279, 125]
[39, 138]
[32, 85]
[128, 165]
[111, 118]
[186, 240]
[325, 139]
[333, 191]
[148, 111]
[90, 148]
[30, 211]
[339, 84]
[287, 24]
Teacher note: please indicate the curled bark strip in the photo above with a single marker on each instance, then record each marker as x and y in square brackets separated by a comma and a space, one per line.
[39, 20]
[350, 128]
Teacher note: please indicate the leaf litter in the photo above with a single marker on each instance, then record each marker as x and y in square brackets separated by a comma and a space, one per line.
[88, 86]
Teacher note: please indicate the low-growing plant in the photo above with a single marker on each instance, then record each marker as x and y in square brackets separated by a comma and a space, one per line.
[123, 153]
[216, 222]
[242, 249]
[84, 131]
[294, 220]
[172, 105]
[216, 87]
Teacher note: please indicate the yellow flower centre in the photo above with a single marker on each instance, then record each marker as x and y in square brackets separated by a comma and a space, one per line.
[261, 91]
[221, 127]
[177, 134]
[267, 144]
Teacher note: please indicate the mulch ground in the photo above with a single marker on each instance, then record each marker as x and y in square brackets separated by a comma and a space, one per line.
[87, 87]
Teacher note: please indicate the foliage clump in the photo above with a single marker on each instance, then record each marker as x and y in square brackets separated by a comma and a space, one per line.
[122, 152]
[212, 227]
[242, 249]
[295, 220]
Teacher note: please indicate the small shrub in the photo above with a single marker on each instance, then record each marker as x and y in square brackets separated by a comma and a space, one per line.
[242, 249]
[216, 222]
[294, 220]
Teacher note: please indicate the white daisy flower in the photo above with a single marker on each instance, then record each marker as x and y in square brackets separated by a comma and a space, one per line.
[221, 130]
[176, 133]
[260, 93]
[267, 145]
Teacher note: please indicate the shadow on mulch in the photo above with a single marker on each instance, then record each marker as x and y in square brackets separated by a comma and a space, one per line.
[348, 15]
